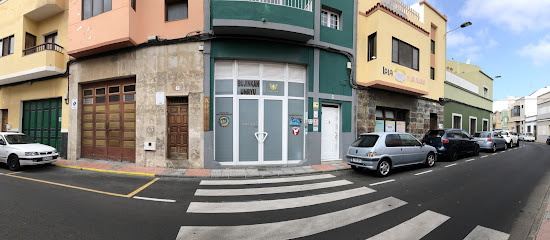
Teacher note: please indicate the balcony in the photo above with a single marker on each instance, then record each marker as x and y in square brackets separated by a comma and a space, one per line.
[284, 19]
[37, 62]
[43, 9]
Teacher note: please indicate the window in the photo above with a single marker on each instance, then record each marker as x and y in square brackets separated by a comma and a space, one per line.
[51, 38]
[176, 9]
[457, 121]
[485, 126]
[485, 92]
[393, 140]
[433, 47]
[133, 4]
[473, 125]
[372, 47]
[92, 8]
[432, 73]
[409, 141]
[366, 141]
[516, 112]
[330, 19]
[404, 54]
[6, 46]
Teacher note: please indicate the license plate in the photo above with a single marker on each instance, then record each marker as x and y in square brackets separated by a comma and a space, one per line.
[47, 158]
[355, 160]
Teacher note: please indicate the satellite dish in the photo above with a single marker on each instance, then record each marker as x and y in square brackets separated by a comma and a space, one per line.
[468, 61]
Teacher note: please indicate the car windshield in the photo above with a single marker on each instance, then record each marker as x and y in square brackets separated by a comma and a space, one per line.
[435, 133]
[365, 141]
[18, 139]
[482, 134]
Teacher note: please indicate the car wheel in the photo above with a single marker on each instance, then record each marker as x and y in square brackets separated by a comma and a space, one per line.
[494, 149]
[383, 168]
[454, 155]
[430, 160]
[476, 151]
[13, 163]
[510, 144]
[505, 146]
[356, 168]
[517, 144]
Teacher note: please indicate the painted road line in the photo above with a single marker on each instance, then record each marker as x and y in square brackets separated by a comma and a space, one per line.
[294, 228]
[484, 233]
[13, 173]
[155, 199]
[378, 183]
[469, 160]
[485, 156]
[142, 187]
[429, 171]
[415, 228]
[269, 190]
[267, 180]
[267, 205]
[450, 165]
[68, 186]
[494, 154]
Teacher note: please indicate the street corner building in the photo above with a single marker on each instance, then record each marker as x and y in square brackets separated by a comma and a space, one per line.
[33, 63]
[279, 82]
[468, 98]
[137, 82]
[401, 61]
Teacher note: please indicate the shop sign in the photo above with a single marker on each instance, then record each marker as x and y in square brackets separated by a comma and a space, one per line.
[379, 126]
[401, 126]
[295, 121]
[390, 126]
[248, 87]
[223, 121]
[295, 131]
[316, 122]
[401, 76]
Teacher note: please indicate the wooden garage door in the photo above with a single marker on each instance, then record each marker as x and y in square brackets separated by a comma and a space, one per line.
[109, 120]
[178, 135]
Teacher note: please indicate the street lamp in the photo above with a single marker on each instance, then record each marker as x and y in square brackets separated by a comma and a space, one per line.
[466, 24]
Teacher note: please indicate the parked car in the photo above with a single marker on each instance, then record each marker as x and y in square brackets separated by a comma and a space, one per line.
[17, 149]
[510, 137]
[451, 143]
[490, 141]
[382, 152]
[548, 140]
[528, 137]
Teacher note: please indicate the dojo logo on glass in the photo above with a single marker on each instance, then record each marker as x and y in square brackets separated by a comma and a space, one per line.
[296, 131]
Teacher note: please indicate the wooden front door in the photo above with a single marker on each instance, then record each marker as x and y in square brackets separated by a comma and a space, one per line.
[178, 128]
[433, 121]
[109, 120]
[4, 120]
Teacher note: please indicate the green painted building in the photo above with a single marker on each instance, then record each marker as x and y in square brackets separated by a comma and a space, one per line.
[277, 80]
[468, 98]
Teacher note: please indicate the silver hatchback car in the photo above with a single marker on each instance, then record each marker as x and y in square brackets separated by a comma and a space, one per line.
[383, 151]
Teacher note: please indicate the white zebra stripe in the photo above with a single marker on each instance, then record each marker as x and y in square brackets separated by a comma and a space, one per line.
[483, 233]
[266, 180]
[413, 229]
[270, 190]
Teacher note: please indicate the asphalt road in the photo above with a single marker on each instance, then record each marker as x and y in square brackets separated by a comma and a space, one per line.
[499, 195]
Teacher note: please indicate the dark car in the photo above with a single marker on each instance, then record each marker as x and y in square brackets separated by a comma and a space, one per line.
[451, 143]
[548, 140]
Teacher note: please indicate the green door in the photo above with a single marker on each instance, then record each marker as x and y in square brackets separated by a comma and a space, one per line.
[42, 121]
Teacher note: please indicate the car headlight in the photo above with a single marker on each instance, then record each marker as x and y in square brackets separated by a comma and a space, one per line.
[31, 153]
[371, 154]
[55, 151]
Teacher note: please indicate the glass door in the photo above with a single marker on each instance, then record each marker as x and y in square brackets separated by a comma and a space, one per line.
[272, 146]
[249, 136]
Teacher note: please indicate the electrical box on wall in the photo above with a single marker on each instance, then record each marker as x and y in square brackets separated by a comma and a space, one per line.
[150, 146]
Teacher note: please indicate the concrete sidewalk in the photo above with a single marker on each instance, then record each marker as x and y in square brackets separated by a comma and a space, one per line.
[248, 172]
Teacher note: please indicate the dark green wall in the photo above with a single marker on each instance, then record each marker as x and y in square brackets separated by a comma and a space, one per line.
[244, 10]
[344, 36]
[333, 74]
[467, 112]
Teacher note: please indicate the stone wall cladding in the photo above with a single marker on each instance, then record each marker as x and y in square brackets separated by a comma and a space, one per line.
[156, 69]
[419, 110]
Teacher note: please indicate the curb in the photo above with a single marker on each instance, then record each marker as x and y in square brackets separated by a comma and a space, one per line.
[187, 176]
[108, 171]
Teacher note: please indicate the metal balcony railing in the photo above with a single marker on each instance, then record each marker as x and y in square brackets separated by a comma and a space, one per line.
[401, 7]
[306, 5]
[43, 47]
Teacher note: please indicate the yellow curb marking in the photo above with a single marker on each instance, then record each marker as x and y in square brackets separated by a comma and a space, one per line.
[109, 171]
[141, 188]
[86, 189]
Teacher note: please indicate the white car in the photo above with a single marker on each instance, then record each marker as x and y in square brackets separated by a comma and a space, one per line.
[511, 138]
[17, 149]
[528, 137]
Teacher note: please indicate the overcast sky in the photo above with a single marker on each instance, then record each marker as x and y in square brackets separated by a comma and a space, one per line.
[509, 38]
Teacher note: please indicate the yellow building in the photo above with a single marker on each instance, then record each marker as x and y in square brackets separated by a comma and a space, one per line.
[401, 59]
[33, 62]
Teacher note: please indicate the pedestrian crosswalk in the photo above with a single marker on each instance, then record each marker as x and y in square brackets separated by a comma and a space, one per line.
[295, 194]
